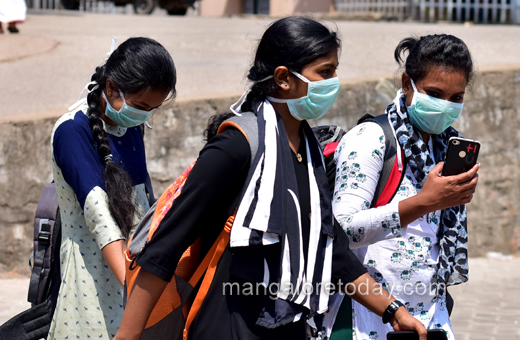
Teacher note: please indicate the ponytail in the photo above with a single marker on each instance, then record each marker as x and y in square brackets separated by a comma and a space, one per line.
[438, 50]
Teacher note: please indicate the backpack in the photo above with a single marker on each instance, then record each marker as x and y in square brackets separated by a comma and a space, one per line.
[44, 285]
[47, 240]
[391, 177]
[176, 308]
[45, 281]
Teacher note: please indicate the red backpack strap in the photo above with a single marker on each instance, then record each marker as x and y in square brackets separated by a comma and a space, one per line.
[392, 183]
[391, 177]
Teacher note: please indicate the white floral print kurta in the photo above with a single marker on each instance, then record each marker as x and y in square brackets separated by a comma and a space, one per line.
[402, 258]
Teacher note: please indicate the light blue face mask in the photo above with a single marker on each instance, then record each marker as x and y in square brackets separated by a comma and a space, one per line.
[320, 96]
[127, 116]
[432, 115]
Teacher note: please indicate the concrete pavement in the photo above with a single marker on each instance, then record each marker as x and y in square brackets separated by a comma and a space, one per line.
[43, 69]
[486, 308]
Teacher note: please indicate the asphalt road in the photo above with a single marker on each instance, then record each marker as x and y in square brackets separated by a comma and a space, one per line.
[43, 69]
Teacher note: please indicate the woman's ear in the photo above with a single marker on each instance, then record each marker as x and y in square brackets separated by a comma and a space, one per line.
[111, 89]
[281, 78]
[406, 84]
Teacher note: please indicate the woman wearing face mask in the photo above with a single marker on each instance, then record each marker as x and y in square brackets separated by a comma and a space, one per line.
[416, 244]
[284, 232]
[99, 169]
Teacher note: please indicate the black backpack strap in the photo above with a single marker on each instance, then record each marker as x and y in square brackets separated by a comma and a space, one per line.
[148, 181]
[45, 237]
[149, 189]
[329, 137]
[390, 153]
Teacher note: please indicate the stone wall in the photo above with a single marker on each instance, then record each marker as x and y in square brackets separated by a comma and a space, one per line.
[491, 115]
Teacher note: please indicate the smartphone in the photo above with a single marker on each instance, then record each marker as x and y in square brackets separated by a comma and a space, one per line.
[433, 334]
[461, 156]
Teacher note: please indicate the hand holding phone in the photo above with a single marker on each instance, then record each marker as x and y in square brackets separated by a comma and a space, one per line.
[461, 156]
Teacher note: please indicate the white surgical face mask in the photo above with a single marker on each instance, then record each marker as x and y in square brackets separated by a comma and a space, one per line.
[321, 94]
[127, 116]
[432, 115]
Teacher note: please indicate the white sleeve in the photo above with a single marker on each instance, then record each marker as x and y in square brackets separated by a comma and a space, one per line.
[99, 220]
[359, 161]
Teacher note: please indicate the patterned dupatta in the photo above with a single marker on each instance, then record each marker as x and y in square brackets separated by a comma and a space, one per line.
[452, 267]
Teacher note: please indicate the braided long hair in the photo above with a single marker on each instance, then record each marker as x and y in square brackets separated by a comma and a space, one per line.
[137, 65]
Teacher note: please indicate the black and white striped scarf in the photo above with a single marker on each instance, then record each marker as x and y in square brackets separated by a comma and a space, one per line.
[269, 212]
[452, 267]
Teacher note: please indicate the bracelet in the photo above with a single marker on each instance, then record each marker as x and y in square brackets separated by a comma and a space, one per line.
[391, 310]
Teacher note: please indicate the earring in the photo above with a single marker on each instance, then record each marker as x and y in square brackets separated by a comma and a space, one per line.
[109, 93]
[286, 85]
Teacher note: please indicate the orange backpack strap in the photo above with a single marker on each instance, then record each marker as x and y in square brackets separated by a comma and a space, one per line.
[208, 265]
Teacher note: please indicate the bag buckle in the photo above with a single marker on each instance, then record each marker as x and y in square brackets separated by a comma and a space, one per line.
[44, 234]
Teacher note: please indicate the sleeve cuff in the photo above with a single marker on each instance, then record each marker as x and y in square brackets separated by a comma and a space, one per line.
[154, 268]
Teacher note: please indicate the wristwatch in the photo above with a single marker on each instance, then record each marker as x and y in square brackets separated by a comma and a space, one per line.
[391, 310]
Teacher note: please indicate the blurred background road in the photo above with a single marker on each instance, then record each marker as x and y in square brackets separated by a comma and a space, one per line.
[43, 69]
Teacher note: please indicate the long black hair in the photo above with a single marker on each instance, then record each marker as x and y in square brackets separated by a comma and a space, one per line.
[292, 42]
[430, 51]
[137, 65]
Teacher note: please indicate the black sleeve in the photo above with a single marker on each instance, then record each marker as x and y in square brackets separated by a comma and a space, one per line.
[346, 267]
[203, 206]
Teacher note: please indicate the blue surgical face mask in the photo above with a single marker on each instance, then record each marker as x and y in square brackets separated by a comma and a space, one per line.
[320, 96]
[432, 115]
[127, 116]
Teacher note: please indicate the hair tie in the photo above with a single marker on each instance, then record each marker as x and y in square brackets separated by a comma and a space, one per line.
[108, 158]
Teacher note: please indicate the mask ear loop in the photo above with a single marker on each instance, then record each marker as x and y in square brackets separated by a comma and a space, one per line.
[240, 100]
[122, 96]
[243, 97]
[413, 85]
[301, 77]
[80, 100]
[397, 102]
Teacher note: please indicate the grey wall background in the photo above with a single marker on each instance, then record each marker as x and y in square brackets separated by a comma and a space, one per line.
[491, 115]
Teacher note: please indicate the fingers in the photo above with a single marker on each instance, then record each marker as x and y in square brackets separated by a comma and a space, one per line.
[437, 169]
[469, 187]
[466, 200]
[466, 176]
[423, 333]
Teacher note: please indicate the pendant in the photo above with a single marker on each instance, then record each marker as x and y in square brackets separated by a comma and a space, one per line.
[299, 157]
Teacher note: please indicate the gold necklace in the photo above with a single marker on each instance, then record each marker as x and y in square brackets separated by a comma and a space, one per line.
[299, 157]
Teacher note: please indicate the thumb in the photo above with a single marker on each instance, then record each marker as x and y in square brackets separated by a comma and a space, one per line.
[437, 170]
